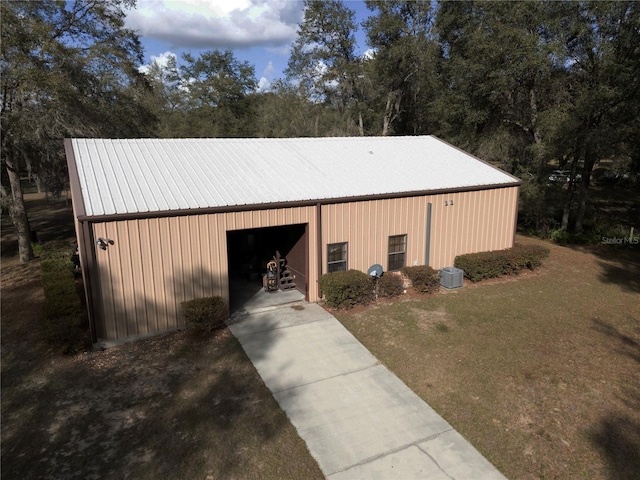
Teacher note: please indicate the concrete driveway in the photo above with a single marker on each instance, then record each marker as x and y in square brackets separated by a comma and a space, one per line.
[356, 417]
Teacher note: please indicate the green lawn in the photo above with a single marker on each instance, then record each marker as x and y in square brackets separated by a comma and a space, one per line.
[540, 372]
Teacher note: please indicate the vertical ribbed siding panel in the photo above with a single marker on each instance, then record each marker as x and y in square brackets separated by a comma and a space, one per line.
[102, 268]
[108, 264]
[513, 212]
[220, 224]
[490, 212]
[122, 283]
[149, 275]
[166, 236]
[173, 279]
[136, 317]
[308, 215]
[159, 252]
[475, 220]
[196, 287]
[460, 223]
[206, 283]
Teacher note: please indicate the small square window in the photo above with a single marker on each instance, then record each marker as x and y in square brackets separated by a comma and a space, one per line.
[336, 257]
[397, 252]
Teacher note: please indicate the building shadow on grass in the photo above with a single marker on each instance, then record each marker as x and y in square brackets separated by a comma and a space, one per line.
[617, 434]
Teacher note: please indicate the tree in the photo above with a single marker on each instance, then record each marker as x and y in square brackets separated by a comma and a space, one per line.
[323, 57]
[498, 61]
[404, 64]
[286, 111]
[68, 69]
[168, 99]
[217, 87]
[601, 60]
[207, 96]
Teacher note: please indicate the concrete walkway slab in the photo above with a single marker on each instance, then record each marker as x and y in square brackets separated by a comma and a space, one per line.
[352, 418]
[284, 356]
[410, 462]
[357, 418]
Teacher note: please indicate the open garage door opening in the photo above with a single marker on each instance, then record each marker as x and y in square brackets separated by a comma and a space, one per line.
[250, 271]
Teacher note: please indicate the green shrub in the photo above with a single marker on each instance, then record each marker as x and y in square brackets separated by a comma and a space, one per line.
[61, 325]
[390, 285]
[424, 279]
[479, 266]
[56, 257]
[61, 296]
[37, 249]
[560, 236]
[206, 313]
[347, 289]
[527, 256]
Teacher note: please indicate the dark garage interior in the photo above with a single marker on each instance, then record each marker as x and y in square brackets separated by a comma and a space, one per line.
[250, 250]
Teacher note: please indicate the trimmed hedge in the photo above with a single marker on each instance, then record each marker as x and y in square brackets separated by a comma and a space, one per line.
[205, 313]
[424, 279]
[62, 310]
[483, 265]
[390, 285]
[347, 289]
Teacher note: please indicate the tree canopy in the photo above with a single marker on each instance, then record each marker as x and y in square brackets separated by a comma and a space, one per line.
[67, 69]
[522, 84]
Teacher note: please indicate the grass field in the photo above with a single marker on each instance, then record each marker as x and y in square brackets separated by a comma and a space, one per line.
[176, 406]
[540, 372]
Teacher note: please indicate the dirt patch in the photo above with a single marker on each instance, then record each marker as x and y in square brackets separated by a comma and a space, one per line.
[435, 319]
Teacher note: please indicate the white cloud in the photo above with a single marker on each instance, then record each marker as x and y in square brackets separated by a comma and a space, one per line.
[264, 85]
[217, 23]
[369, 54]
[268, 70]
[162, 60]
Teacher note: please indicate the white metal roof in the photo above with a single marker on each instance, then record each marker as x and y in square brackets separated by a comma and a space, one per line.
[150, 175]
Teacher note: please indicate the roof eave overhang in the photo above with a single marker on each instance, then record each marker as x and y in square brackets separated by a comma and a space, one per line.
[275, 205]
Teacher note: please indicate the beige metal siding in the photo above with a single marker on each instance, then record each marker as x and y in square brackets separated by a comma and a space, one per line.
[157, 263]
[476, 221]
[366, 226]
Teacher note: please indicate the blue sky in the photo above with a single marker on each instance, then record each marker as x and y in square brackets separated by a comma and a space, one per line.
[258, 31]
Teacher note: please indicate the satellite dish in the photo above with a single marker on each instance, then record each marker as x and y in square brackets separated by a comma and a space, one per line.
[375, 271]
